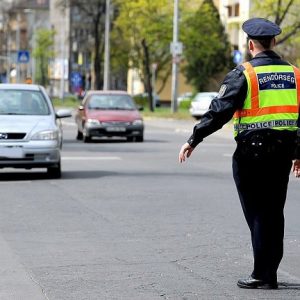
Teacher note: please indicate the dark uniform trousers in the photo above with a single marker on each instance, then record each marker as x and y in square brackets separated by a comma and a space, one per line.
[261, 168]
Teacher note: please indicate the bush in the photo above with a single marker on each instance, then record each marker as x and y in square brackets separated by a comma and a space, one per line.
[140, 100]
[185, 104]
[69, 101]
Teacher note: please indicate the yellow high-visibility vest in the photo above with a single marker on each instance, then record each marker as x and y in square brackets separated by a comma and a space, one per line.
[273, 98]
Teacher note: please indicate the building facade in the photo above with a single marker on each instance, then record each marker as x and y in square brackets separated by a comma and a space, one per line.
[233, 14]
[18, 23]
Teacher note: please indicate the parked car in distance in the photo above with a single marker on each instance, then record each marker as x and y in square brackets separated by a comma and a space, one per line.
[200, 104]
[184, 96]
[30, 129]
[109, 114]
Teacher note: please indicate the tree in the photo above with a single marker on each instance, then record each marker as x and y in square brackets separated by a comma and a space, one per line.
[285, 13]
[119, 58]
[147, 27]
[43, 53]
[207, 50]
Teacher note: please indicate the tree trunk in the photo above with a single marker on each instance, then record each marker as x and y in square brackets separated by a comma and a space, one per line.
[43, 75]
[147, 74]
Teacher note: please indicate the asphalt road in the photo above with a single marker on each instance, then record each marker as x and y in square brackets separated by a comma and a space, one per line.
[127, 221]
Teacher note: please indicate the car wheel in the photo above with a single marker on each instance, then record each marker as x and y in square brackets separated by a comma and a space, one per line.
[139, 138]
[54, 171]
[79, 135]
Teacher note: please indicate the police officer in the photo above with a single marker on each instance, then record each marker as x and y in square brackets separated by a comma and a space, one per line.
[263, 95]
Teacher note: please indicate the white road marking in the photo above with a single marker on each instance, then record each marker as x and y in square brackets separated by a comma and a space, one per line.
[180, 130]
[91, 158]
[14, 182]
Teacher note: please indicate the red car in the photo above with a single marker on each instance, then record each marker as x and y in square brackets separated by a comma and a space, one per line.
[108, 114]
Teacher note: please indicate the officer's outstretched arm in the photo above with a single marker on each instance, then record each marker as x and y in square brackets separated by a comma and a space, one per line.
[296, 168]
[185, 152]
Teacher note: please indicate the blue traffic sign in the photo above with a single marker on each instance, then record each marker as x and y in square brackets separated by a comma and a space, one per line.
[76, 79]
[237, 56]
[23, 56]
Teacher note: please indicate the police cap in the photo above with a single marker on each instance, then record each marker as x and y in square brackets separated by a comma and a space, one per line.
[260, 29]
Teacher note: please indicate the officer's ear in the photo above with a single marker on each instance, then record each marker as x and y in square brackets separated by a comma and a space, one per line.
[250, 45]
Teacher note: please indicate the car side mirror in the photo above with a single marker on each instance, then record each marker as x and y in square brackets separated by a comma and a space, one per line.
[140, 108]
[63, 113]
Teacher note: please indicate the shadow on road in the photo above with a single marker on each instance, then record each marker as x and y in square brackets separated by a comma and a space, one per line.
[33, 176]
[288, 286]
[23, 176]
[86, 174]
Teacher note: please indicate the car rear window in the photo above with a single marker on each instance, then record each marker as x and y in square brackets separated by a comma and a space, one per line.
[121, 102]
[19, 102]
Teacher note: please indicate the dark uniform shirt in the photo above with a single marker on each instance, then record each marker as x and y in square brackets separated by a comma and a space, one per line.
[231, 97]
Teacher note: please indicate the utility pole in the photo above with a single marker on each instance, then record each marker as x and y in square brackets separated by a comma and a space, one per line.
[176, 50]
[18, 45]
[62, 56]
[106, 85]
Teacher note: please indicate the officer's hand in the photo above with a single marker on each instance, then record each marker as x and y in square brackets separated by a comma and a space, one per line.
[185, 151]
[296, 168]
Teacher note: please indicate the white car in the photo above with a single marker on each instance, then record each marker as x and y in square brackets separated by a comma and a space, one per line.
[200, 104]
[30, 132]
[184, 96]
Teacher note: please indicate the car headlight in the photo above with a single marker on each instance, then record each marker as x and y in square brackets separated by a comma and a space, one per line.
[45, 135]
[137, 122]
[93, 122]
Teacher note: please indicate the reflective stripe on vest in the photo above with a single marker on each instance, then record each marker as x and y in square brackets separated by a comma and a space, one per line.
[267, 124]
[273, 98]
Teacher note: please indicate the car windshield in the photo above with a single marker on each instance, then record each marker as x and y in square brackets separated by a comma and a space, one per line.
[21, 102]
[118, 102]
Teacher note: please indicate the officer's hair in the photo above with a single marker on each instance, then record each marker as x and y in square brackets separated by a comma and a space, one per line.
[266, 44]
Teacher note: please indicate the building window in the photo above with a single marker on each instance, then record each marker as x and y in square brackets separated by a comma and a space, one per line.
[236, 9]
[233, 10]
[229, 7]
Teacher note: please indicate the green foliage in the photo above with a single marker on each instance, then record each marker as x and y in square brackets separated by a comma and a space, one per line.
[207, 50]
[150, 21]
[43, 53]
[140, 100]
[71, 102]
[185, 104]
[284, 13]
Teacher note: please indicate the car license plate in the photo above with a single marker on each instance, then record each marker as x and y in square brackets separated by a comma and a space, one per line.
[116, 129]
[11, 152]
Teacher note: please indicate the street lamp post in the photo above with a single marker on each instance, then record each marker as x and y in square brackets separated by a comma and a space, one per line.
[31, 20]
[176, 49]
[106, 72]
